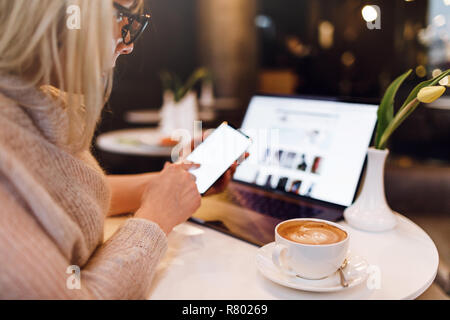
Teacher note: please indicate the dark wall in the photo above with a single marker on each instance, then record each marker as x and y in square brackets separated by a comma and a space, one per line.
[380, 55]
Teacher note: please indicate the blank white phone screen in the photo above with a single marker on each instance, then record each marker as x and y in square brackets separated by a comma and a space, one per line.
[216, 154]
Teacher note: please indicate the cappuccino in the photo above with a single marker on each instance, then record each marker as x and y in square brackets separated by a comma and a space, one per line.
[311, 232]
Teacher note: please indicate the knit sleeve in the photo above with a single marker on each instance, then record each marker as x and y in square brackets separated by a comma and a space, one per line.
[124, 266]
[33, 267]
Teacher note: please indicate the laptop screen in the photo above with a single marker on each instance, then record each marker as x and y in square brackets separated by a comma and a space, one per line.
[309, 148]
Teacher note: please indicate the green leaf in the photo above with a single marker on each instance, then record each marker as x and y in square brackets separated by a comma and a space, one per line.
[199, 74]
[399, 118]
[386, 110]
[167, 81]
[173, 82]
[422, 85]
[177, 87]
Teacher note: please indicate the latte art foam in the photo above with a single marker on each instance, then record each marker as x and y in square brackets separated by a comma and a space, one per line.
[311, 233]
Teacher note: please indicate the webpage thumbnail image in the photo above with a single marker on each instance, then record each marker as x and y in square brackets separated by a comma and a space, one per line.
[289, 171]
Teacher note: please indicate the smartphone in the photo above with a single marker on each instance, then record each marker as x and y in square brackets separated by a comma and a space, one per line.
[216, 155]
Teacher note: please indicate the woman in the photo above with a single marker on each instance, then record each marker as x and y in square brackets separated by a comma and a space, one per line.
[53, 194]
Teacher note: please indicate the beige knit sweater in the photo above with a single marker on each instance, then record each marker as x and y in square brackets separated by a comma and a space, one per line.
[53, 202]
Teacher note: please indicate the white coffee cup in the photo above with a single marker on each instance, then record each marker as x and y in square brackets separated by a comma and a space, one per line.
[309, 261]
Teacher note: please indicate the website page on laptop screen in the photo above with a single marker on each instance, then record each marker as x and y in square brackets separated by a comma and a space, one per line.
[305, 147]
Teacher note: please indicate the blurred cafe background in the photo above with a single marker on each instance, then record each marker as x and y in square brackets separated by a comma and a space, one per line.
[302, 47]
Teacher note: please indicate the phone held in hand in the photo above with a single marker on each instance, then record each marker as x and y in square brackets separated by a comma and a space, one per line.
[217, 154]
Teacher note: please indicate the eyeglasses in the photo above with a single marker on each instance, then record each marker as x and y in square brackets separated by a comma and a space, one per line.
[135, 26]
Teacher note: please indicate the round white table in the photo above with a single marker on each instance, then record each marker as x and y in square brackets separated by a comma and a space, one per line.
[203, 264]
[140, 142]
[154, 117]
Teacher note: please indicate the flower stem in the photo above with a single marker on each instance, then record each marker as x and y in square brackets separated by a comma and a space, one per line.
[398, 120]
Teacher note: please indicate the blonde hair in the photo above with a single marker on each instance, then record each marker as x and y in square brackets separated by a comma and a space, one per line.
[37, 45]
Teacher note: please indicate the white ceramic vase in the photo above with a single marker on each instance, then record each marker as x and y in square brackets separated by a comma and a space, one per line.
[207, 96]
[187, 112]
[179, 115]
[371, 212]
[167, 123]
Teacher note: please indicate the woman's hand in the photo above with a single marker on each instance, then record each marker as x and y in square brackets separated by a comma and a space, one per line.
[221, 184]
[172, 197]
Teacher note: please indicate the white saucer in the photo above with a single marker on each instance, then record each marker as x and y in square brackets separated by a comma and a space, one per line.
[355, 273]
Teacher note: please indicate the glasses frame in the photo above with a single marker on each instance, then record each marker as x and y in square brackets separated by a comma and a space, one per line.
[143, 19]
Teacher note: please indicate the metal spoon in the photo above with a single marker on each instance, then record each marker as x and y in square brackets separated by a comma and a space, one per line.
[344, 281]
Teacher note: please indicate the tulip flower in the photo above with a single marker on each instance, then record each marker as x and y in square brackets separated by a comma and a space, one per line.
[430, 94]
[426, 92]
[445, 81]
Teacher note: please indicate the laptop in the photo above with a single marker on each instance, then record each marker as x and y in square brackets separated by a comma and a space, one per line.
[306, 161]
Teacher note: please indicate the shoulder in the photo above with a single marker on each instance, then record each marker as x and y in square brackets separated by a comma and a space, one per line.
[12, 114]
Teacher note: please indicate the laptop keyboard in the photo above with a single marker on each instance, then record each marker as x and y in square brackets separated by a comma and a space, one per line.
[277, 208]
